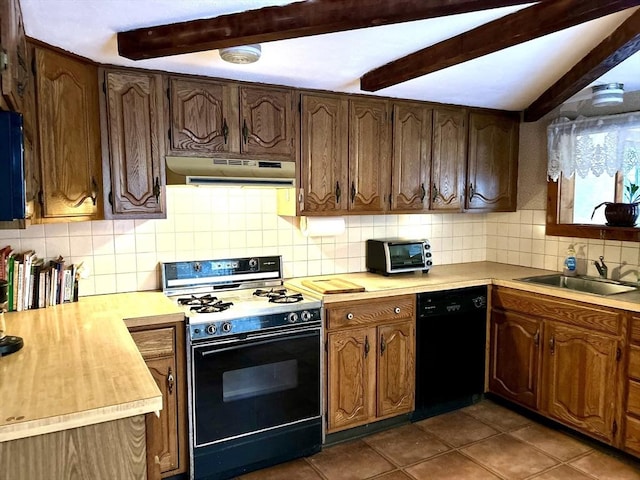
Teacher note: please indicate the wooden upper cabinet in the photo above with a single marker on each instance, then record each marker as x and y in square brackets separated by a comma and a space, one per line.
[369, 149]
[267, 123]
[411, 157]
[133, 119]
[492, 170]
[324, 154]
[69, 137]
[14, 75]
[448, 159]
[209, 118]
[396, 368]
[203, 117]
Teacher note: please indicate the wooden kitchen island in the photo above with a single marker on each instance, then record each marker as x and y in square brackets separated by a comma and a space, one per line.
[73, 401]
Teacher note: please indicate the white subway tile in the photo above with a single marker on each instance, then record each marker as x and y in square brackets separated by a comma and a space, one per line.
[104, 284]
[56, 230]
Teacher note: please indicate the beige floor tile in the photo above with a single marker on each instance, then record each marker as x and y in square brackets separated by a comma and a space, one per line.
[563, 472]
[407, 444]
[294, 470]
[551, 441]
[509, 457]
[457, 428]
[450, 466]
[605, 467]
[496, 416]
[350, 461]
[395, 475]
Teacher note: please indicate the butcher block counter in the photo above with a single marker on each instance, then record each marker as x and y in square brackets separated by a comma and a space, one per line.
[79, 365]
[446, 277]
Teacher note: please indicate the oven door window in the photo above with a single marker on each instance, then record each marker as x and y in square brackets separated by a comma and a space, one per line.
[255, 384]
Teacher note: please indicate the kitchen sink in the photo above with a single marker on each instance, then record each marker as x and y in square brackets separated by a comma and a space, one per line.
[598, 286]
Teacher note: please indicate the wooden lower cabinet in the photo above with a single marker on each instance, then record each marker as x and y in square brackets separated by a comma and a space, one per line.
[371, 362]
[162, 348]
[632, 411]
[514, 365]
[560, 358]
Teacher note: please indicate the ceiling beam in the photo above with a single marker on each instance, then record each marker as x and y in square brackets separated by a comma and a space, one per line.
[614, 49]
[294, 20]
[518, 27]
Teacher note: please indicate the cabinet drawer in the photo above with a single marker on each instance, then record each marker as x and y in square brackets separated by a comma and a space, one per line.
[633, 400]
[632, 435]
[635, 330]
[155, 343]
[363, 312]
[634, 362]
[575, 313]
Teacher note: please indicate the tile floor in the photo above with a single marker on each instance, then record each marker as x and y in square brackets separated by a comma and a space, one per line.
[482, 442]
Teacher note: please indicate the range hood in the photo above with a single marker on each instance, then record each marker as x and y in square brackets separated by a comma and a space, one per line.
[229, 172]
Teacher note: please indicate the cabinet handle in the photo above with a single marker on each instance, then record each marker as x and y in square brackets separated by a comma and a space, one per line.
[349, 316]
[536, 338]
[111, 197]
[156, 189]
[93, 195]
[552, 345]
[366, 346]
[170, 381]
[338, 192]
[471, 191]
[245, 131]
[396, 310]
[353, 191]
[383, 345]
[389, 200]
[434, 194]
[424, 193]
[225, 130]
[41, 199]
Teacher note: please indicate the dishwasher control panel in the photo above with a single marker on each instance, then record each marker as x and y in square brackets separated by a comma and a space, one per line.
[449, 302]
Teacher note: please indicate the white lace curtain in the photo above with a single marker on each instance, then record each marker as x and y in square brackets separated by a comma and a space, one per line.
[598, 145]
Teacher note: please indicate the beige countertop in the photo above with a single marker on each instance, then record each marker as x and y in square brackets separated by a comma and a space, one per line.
[79, 365]
[445, 277]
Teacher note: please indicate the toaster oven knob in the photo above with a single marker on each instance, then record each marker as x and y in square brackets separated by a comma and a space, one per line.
[292, 317]
[226, 327]
[211, 329]
[429, 262]
[428, 254]
[305, 316]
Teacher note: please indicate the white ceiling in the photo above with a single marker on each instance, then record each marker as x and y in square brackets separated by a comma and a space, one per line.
[510, 79]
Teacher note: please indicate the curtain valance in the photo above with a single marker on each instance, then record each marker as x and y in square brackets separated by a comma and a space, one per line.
[598, 145]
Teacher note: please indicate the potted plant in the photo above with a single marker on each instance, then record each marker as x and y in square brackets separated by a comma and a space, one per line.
[620, 214]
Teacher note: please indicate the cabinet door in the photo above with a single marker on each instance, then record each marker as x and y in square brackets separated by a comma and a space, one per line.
[136, 144]
[324, 168]
[204, 117]
[580, 377]
[369, 148]
[448, 158]
[267, 123]
[411, 159]
[514, 365]
[165, 427]
[351, 378]
[69, 133]
[14, 75]
[396, 369]
[492, 169]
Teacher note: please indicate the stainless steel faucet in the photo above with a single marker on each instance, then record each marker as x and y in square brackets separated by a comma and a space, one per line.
[602, 269]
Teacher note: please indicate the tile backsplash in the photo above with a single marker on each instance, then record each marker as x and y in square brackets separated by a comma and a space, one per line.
[123, 255]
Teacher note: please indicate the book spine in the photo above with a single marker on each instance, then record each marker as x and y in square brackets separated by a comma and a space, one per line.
[20, 287]
[10, 297]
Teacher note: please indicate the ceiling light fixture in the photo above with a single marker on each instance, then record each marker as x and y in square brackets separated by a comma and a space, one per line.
[608, 94]
[242, 54]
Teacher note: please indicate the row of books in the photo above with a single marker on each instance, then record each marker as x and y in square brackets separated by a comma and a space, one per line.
[35, 283]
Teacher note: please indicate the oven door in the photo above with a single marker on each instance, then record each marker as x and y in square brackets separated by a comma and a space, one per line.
[249, 385]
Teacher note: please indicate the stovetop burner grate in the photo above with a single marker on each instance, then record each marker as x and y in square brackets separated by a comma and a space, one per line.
[214, 307]
[293, 298]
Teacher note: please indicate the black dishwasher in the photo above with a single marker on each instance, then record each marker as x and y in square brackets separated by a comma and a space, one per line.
[450, 350]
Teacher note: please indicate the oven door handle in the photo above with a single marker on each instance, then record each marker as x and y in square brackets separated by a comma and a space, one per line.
[261, 339]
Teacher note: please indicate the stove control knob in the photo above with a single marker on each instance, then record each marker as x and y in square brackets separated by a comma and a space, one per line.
[306, 316]
[211, 329]
[292, 317]
[226, 327]
[253, 263]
